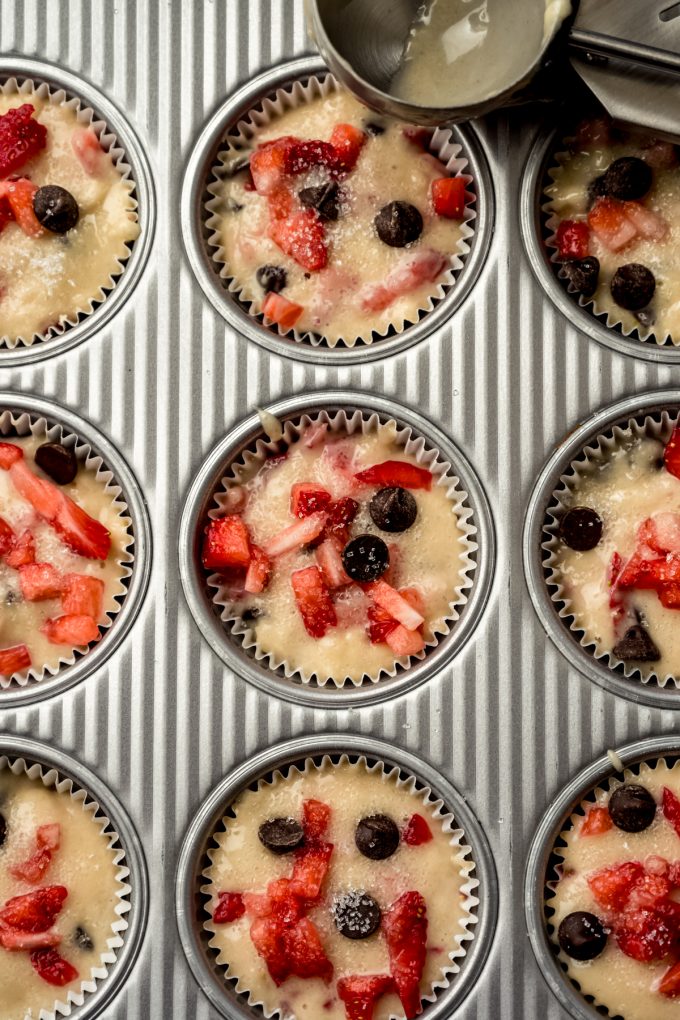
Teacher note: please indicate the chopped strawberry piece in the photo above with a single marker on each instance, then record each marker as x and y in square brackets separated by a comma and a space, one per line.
[82, 595]
[413, 596]
[229, 908]
[303, 155]
[296, 535]
[267, 935]
[395, 604]
[342, 512]
[39, 581]
[6, 537]
[306, 498]
[14, 660]
[380, 624]
[10, 453]
[86, 146]
[20, 942]
[671, 808]
[348, 142]
[405, 928]
[22, 552]
[35, 911]
[396, 473]
[313, 600]
[405, 642]
[649, 891]
[670, 982]
[661, 532]
[329, 559]
[268, 164]
[360, 994]
[611, 225]
[597, 821]
[416, 831]
[21, 138]
[674, 874]
[49, 836]
[283, 903]
[34, 868]
[257, 904]
[53, 968]
[259, 570]
[316, 818]
[6, 215]
[657, 865]
[74, 630]
[306, 955]
[19, 196]
[649, 934]
[280, 310]
[572, 239]
[448, 197]
[226, 544]
[310, 869]
[647, 223]
[414, 269]
[669, 596]
[303, 238]
[671, 454]
[612, 887]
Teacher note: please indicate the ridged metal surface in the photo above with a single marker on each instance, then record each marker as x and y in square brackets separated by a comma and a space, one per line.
[509, 721]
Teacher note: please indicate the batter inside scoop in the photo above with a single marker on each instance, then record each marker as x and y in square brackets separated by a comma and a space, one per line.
[617, 902]
[381, 853]
[344, 223]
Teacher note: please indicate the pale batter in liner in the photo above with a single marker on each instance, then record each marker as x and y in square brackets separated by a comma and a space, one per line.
[622, 479]
[54, 279]
[347, 652]
[623, 985]
[95, 490]
[440, 870]
[86, 863]
[391, 168]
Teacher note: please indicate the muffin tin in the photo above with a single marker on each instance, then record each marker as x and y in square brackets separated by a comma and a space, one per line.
[170, 371]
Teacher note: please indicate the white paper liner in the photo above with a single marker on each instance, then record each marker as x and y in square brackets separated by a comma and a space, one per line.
[597, 796]
[241, 137]
[436, 811]
[24, 88]
[17, 425]
[51, 778]
[587, 462]
[425, 455]
[607, 316]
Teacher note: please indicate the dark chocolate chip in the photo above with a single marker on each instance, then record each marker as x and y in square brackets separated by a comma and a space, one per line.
[633, 286]
[57, 461]
[365, 558]
[582, 936]
[377, 837]
[595, 190]
[398, 224]
[583, 274]
[646, 316]
[281, 835]
[581, 528]
[632, 808]
[55, 208]
[82, 939]
[272, 278]
[636, 646]
[325, 198]
[356, 915]
[627, 178]
[3, 828]
[374, 128]
[393, 509]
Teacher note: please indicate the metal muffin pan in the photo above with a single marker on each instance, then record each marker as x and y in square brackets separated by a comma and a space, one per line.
[207, 615]
[190, 902]
[195, 234]
[509, 719]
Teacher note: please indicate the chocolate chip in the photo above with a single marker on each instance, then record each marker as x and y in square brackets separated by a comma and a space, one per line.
[627, 178]
[272, 278]
[636, 646]
[55, 208]
[356, 915]
[583, 274]
[633, 286]
[3, 828]
[377, 837]
[365, 558]
[374, 128]
[632, 808]
[82, 939]
[325, 198]
[393, 509]
[281, 835]
[595, 190]
[646, 316]
[58, 462]
[582, 936]
[581, 528]
[398, 224]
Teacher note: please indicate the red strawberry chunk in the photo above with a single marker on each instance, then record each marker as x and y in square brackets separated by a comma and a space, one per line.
[75, 630]
[35, 911]
[647, 223]
[612, 887]
[572, 239]
[296, 535]
[259, 570]
[661, 532]
[306, 955]
[49, 836]
[6, 537]
[650, 933]
[414, 269]
[302, 237]
[416, 831]
[597, 821]
[671, 808]
[267, 935]
[342, 512]
[310, 869]
[396, 473]
[257, 904]
[21, 138]
[313, 600]
[348, 142]
[14, 659]
[229, 908]
[10, 453]
[53, 968]
[448, 197]
[86, 146]
[405, 929]
[268, 164]
[671, 454]
[611, 225]
[405, 642]
[399, 608]
[303, 155]
[280, 310]
[19, 942]
[19, 196]
[6, 215]
[670, 982]
[360, 994]
[82, 595]
[316, 818]
[669, 596]
[39, 581]
[34, 868]
[226, 544]
[648, 891]
[307, 498]
[380, 624]
[22, 552]
[283, 903]
[329, 559]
